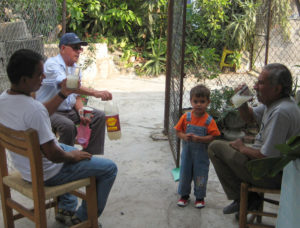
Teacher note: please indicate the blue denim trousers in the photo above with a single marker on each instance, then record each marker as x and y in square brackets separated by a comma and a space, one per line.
[194, 165]
[103, 169]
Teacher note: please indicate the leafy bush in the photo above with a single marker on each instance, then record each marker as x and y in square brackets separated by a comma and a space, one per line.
[220, 104]
[202, 63]
[156, 58]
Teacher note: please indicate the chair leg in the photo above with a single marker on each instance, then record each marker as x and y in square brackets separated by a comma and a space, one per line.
[91, 201]
[261, 207]
[40, 216]
[8, 218]
[55, 199]
[243, 205]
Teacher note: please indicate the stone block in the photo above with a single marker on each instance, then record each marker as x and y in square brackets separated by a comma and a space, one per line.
[14, 31]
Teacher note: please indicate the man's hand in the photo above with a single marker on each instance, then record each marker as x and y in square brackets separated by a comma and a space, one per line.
[248, 151]
[237, 144]
[84, 119]
[65, 91]
[104, 95]
[78, 155]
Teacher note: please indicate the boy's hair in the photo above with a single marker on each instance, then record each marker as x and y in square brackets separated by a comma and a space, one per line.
[22, 63]
[200, 91]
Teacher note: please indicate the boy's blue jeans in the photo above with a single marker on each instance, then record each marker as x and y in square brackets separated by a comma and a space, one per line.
[103, 169]
[194, 165]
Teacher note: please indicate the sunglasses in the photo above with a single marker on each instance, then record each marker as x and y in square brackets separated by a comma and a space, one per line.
[75, 47]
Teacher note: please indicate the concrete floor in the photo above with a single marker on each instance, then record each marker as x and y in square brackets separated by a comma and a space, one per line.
[144, 194]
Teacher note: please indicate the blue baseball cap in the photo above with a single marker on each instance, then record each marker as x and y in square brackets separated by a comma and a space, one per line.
[71, 38]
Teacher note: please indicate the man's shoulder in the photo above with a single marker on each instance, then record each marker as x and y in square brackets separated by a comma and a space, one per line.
[287, 105]
[54, 60]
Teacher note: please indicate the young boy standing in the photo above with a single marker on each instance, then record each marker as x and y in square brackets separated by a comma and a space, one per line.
[196, 129]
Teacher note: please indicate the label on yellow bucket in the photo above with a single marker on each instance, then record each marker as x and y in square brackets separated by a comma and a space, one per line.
[113, 123]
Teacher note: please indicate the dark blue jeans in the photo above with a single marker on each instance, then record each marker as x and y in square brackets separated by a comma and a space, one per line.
[103, 169]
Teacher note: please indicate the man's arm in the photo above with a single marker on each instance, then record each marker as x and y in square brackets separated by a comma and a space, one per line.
[248, 151]
[54, 102]
[104, 95]
[57, 155]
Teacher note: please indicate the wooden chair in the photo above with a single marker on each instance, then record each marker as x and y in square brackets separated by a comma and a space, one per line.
[243, 222]
[26, 143]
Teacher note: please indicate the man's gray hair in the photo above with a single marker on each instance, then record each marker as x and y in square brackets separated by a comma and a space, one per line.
[279, 74]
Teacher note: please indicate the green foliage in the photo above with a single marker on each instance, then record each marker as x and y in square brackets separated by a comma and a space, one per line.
[206, 23]
[220, 104]
[211, 25]
[156, 60]
[239, 33]
[203, 63]
[235, 58]
[106, 17]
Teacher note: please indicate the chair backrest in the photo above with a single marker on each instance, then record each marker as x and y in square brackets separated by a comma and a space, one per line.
[25, 143]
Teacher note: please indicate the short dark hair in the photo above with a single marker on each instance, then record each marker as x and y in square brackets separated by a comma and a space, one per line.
[200, 91]
[23, 62]
[279, 74]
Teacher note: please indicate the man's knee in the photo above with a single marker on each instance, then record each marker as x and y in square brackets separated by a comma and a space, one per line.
[214, 148]
[113, 168]
[98, 114]
[98, 118]
[67, 127]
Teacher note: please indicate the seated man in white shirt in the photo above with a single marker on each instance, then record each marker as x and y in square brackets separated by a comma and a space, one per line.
[61, 163]
[70, 111]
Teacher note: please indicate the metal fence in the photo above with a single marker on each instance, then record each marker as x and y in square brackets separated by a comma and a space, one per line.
[271, 44]
[25, 24]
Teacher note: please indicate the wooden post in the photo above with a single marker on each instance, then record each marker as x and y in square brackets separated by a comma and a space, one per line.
[268, 32]
[64, 13]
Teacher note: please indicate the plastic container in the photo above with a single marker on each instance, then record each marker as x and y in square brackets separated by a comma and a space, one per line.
[242, 96]
[112, 120]
[83, 135]
[73, 75]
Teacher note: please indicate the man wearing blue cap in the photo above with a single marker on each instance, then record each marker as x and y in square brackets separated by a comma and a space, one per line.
[70, 112]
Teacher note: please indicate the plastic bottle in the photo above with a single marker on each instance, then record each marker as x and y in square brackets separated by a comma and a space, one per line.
[112, 120]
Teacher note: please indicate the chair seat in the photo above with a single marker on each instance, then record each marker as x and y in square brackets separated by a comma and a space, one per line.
[16, 182]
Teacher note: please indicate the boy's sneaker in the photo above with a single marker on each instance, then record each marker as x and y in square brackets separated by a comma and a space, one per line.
[64, 216]
[182, 202]
[199, 204]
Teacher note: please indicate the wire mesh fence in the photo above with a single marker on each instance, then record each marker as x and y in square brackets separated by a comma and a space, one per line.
[272, 42]
[281, 45]
[25, 24]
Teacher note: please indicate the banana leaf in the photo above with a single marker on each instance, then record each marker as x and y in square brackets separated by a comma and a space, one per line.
[270, 167]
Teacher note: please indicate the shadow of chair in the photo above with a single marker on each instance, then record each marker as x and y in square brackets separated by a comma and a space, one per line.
[26, 143]
[243, 222]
